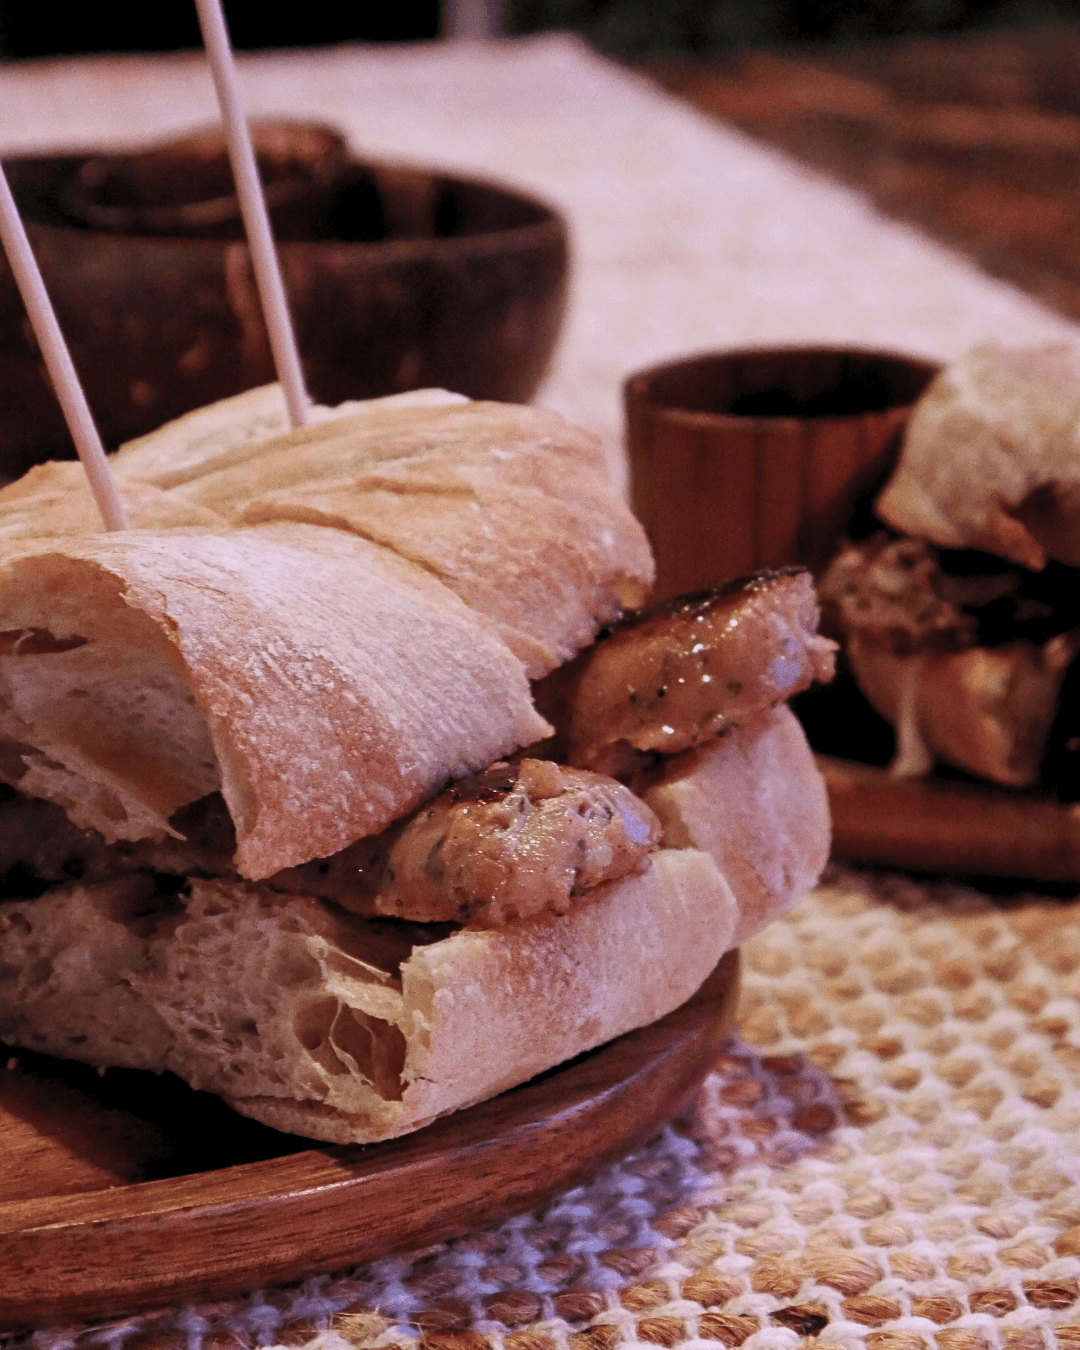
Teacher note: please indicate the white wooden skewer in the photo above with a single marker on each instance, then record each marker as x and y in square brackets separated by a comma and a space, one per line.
[58, 361]
[253, 210]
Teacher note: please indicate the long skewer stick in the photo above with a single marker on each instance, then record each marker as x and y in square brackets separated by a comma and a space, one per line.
[253, 210]
[58, 361]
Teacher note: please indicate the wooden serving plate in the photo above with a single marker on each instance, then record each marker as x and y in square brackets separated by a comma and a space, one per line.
[235, 1205]
[748, 459]
[964, 829]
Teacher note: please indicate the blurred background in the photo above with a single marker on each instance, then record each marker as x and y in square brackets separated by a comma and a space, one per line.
[959, 116]
[704, 26]
[623, 27]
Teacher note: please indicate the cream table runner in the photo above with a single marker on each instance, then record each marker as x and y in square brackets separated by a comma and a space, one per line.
[889, 1158]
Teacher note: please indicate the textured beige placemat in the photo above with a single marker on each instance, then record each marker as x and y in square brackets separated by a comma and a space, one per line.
[899, 1168]
[889, 1158]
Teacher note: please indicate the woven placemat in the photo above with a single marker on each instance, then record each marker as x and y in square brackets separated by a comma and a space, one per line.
[888, 1157]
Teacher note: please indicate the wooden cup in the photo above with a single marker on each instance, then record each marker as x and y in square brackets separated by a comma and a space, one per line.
[748, 459]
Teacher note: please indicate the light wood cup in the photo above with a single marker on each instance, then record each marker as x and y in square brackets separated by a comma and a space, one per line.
[748, 459]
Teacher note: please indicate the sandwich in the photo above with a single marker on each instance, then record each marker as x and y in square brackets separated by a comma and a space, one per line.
[357, 783]
[961, 618]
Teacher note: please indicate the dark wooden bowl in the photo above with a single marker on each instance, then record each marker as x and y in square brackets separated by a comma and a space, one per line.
[398, 278]
[749, 459]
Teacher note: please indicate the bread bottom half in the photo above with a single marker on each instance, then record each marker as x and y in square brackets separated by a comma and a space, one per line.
[324, 1024]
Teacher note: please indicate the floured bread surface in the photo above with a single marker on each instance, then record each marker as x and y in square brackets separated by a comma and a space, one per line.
[326, 1024]
[53, 500]
[756, 803]
[538, 568]
[991, 457]
[508, 506]
[338, 685]
[347, 613]
[234, 430]
[471, 443]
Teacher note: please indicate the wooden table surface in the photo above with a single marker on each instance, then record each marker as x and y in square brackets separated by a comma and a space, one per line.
[975, 139]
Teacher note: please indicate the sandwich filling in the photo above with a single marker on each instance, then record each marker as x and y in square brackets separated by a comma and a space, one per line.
[438, 961]
[523, 836]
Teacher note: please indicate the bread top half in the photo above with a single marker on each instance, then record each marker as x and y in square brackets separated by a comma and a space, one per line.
[325, 624]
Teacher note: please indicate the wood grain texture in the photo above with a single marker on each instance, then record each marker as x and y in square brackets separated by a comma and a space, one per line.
[748, 459]
[930, 826]
[69, 1251]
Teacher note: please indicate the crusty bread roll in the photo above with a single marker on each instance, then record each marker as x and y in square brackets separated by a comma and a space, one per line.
[324, 684]
[324, 1024]
[991, 457]
[327, 626]
[396, 641]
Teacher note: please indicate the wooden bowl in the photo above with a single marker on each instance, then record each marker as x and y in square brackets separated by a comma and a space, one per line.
[398, 278]
[748, 459]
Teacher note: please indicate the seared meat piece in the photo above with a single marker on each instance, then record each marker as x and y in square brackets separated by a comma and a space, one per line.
[894, 591]
[684, 672]
[910, 631]
[532, 836]
[507, 843]
[504, 844]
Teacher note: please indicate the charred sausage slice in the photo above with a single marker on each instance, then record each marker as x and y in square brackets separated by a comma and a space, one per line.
[508, 843]
[678, 675]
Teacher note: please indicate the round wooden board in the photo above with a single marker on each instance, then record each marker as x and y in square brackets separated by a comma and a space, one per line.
[82, 1237]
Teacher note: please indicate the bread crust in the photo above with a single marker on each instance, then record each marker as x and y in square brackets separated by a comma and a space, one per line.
[990, 459]
[755, 802]
[345, 637]
[339, 686]
[327, 1025]
[508, 506]
[329, 655]
[53, 501]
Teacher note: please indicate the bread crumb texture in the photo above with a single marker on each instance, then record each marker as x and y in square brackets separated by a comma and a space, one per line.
[325, 1024]
[888, 1158]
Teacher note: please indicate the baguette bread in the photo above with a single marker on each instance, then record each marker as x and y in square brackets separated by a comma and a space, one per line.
[508, 506]
[260, 641]
[323, 683]
[325, 627]
[322, 1023]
